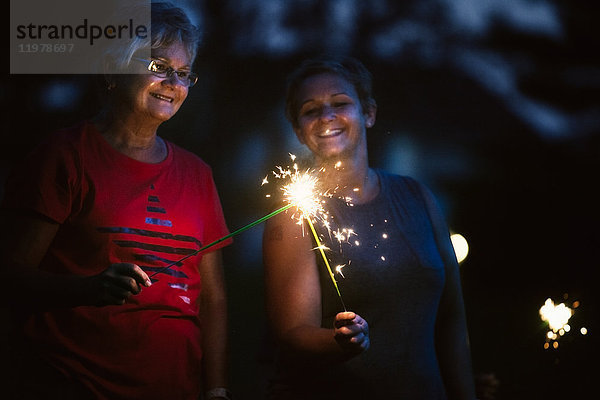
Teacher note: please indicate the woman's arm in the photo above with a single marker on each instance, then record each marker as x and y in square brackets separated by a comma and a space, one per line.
[293, 298]
[452, 342]
[213, 313]
[26, 240]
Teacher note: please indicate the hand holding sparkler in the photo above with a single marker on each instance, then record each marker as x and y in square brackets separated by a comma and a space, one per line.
[116, 284]
[351, 332]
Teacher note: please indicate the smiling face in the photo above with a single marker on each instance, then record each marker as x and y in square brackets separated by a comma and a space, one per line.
[331, 121]
[149, 97]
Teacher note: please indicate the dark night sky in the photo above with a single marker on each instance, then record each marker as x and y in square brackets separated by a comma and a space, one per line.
[493, 104]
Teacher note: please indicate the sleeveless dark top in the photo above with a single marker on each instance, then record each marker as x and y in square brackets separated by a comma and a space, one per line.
[393, 278]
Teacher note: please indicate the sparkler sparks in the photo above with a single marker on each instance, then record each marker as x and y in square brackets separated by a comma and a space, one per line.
[303, 193]
[343, 235]
[300, 193]
[314, 232]
[338, 269]
[557, 317]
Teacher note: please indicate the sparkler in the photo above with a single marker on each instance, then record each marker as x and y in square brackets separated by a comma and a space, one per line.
[557, 316]
[250, 225]
[320, 247]
[301, 192]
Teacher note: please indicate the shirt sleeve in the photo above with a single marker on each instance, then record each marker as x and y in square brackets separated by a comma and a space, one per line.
[215, 227]
[45, 181]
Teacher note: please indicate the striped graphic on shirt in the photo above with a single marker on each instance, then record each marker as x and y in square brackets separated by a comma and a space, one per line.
[153, 220]
[152, 256]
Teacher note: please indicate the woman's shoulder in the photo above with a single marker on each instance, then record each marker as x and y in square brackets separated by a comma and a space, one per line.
[65, 135]
[60, 144]
[397, 181]
[406, 189]
[187, 157]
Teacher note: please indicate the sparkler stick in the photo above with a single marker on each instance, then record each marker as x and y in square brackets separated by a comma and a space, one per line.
[250, 225]
[320, 247]
[300, 193]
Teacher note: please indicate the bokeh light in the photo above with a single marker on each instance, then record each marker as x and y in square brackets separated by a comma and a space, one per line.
[461, 247]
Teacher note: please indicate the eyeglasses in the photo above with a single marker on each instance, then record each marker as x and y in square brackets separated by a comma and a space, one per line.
[164, 70]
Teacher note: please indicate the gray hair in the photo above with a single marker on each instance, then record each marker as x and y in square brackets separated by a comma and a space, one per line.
[169, 24]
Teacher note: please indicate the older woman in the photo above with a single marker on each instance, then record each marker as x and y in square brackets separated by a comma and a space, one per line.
[405, 334]
[95, 215]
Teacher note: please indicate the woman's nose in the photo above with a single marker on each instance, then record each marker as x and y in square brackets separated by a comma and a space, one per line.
[328, 113]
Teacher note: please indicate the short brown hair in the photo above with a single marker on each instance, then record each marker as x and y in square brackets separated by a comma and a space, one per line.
[347, 67]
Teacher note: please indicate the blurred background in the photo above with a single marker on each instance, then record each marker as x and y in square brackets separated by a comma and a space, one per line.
[493, 104]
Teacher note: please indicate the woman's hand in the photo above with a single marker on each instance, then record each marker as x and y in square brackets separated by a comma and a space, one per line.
[351, 332]
[116, 284]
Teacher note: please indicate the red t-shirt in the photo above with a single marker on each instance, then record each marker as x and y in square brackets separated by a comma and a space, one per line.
[115, 209]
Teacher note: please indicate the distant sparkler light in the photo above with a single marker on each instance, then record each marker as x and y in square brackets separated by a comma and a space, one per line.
[557, 317]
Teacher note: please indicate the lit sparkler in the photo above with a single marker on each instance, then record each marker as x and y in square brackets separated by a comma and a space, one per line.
[296, 194]
[301, 193]
[320, 247]
[557, 317]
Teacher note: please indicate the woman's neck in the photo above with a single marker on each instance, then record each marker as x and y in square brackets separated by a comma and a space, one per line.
[351, 180]
[131, 137]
